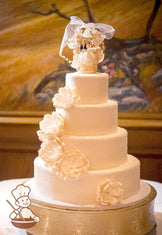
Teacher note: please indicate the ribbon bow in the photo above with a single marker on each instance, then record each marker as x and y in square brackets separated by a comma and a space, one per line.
[76, 23]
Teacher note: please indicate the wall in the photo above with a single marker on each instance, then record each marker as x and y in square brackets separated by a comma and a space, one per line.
[19, 145]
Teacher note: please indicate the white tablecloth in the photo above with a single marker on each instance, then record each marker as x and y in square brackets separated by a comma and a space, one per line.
[6, 228]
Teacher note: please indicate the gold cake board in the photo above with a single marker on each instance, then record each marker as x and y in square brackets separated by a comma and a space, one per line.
[137, 219]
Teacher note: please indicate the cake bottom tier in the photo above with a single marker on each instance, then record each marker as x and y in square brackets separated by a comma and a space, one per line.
[82, 191]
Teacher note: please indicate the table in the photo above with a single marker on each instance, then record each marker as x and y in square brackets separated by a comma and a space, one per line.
[6, 228]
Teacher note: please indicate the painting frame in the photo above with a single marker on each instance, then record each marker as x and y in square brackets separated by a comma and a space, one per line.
[135, 120]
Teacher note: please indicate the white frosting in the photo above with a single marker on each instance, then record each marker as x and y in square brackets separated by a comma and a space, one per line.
[83, 157]
[83, 190]
[103, 152]
[91, 88]
[100, 119]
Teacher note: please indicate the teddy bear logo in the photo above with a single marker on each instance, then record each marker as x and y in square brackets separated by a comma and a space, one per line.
[22, 216]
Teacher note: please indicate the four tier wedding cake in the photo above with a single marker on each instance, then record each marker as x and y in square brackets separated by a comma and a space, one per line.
[83, 160]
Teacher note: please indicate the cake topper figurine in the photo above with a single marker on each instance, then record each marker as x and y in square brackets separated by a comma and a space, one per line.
[86, 41]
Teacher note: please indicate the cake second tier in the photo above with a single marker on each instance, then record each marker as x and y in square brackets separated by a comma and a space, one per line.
[98, 119]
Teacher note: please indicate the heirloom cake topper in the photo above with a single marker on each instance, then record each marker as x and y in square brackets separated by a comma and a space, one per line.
[86, 41]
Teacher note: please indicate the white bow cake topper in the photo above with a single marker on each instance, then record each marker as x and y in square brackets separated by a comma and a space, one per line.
[86, 40]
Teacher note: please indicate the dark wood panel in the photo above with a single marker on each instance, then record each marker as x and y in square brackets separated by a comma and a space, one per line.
[16, 165]
[19, 137]
[151, 167]
[19, 145]
[145, 141]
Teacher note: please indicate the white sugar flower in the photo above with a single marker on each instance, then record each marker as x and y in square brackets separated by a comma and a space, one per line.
[86, 61]
[51, 151]
[71, 165]
[66, 98]
[51, 126]
[98, 38]
[78, 35]
[75, 40]
[109, 192]
[43, 137]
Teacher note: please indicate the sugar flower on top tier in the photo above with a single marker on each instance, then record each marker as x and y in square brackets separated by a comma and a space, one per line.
[109, 192]
[71, 165]
[86, 40]
[87, 45]
[66, 98]
[51, 126]
[51, 151]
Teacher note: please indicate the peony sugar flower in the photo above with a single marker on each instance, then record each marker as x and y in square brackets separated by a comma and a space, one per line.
[71, 165]
[109, 193]
[66, 98]
[51, 126]
[51, 151]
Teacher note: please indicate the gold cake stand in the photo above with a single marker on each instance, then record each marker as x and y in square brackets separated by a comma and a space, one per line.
[137, 219]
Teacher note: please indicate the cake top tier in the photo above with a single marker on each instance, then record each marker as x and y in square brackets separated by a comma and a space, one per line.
[86, 41]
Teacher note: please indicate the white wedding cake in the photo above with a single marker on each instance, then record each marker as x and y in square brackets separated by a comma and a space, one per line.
[83, 160]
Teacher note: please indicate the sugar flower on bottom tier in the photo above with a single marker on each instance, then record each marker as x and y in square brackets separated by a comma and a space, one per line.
[51, 151]
[66, 98]
[51, 126]
[71, 165]
[109, 192]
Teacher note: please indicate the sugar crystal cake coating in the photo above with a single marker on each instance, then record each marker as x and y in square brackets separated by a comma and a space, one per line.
[83, 158]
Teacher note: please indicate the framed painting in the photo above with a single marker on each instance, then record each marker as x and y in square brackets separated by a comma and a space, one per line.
[31, 71]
